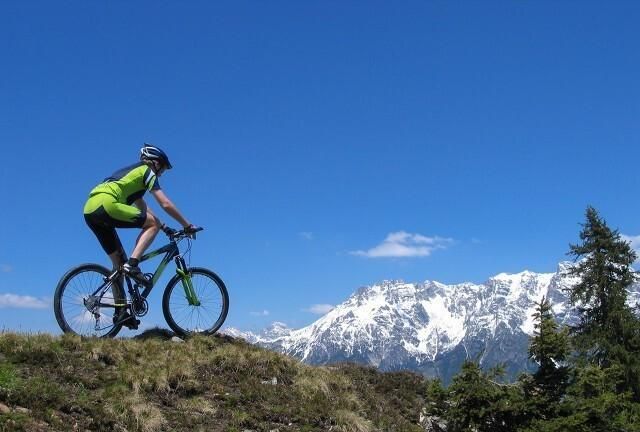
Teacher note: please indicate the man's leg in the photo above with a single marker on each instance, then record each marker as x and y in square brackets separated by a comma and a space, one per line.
[101, 225]
[118, 258]
[149, 231]
[128, 216]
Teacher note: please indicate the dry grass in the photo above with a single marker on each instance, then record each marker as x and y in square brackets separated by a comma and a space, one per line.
[315, 384]
[198, 405]
[150, 366]
[206, 383]
[135, 413]
[348, 421]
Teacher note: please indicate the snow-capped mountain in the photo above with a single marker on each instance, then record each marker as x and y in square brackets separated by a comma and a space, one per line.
[430, 327]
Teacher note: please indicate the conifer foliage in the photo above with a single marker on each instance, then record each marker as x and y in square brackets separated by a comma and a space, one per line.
[549, 348]
[480, 403]
[608, 334]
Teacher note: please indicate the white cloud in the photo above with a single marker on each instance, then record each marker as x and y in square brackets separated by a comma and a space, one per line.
[261, 313]
[402, 244]
[319, 309]
[306, 235]
[5, 268]
[23, 302]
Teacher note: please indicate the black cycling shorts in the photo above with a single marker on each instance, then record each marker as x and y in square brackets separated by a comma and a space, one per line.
[104, 227]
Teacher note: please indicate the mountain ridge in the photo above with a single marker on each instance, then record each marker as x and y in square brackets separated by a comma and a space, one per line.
[431, 327]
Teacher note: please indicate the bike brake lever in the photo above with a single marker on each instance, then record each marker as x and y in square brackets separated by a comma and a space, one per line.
[192, 234]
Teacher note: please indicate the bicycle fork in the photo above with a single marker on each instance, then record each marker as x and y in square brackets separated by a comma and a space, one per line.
[187, 283]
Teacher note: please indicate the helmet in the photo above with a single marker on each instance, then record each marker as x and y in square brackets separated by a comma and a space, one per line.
[151, 152]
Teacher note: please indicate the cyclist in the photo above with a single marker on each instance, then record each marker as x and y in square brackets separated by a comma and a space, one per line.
[117, 203]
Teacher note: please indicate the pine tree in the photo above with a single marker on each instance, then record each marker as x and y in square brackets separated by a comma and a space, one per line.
[549, 348]
[608, 332]
[477, 402]
[470, 398]
[593, 404]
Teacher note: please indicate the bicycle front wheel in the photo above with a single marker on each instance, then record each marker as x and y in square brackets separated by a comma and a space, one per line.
[85, 304]
[204, 318]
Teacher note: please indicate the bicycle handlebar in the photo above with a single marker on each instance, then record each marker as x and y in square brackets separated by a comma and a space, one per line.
[178, 235]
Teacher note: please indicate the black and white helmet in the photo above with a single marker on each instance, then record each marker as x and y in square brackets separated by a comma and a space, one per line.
[151, 152]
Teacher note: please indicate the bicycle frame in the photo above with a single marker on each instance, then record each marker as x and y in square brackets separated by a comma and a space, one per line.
[171, 252]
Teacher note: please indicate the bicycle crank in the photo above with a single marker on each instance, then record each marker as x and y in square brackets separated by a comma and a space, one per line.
[140, 307]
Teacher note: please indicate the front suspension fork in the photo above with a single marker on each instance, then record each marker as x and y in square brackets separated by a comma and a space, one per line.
[187, 284]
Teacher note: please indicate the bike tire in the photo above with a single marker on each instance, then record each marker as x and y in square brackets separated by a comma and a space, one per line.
[174, 300]
[90, 276]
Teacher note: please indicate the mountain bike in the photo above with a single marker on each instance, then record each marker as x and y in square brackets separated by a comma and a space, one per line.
[90, 299]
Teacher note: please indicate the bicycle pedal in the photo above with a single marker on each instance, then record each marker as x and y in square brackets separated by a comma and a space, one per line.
[145, 280]
[132, 323]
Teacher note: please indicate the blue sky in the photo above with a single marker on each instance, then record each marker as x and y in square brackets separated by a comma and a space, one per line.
[323, 145]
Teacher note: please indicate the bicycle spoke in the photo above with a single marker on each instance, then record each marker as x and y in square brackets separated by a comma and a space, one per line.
[206, 316]
[79, 310]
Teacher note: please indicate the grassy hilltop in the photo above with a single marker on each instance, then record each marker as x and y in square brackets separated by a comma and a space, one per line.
[51, 383]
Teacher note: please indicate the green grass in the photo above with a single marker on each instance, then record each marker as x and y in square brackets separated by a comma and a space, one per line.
[205, 384]
[8, 378]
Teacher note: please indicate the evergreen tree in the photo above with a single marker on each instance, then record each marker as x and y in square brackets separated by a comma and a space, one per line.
[549, 348]
[608, 332]
[437, 396]
[593, 404]
[478, 403]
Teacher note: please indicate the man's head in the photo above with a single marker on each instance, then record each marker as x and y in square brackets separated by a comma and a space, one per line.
[156, 157]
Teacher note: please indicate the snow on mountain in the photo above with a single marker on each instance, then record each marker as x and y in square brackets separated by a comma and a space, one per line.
[273, 332]
[429, 327]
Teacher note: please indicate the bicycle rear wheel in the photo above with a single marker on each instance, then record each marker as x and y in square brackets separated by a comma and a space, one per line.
[78, 311]
[205, 318]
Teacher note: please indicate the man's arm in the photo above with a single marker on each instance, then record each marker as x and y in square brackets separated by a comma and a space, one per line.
[169, 207]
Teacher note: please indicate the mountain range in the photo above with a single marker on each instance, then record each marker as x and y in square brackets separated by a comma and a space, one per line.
[431, 327]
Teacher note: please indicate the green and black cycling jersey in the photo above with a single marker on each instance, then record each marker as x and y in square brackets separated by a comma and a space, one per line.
[110, 203]
[128, 184]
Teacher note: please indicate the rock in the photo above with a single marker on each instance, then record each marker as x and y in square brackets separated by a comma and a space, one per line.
[4, 409]
[176, 339]
[22, 410]
[433, 424]
[155, 332]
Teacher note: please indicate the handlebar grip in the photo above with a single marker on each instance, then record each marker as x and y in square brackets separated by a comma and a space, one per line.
[192, 232]
[172, 233]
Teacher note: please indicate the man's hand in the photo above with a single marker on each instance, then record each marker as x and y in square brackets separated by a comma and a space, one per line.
[191, 230]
